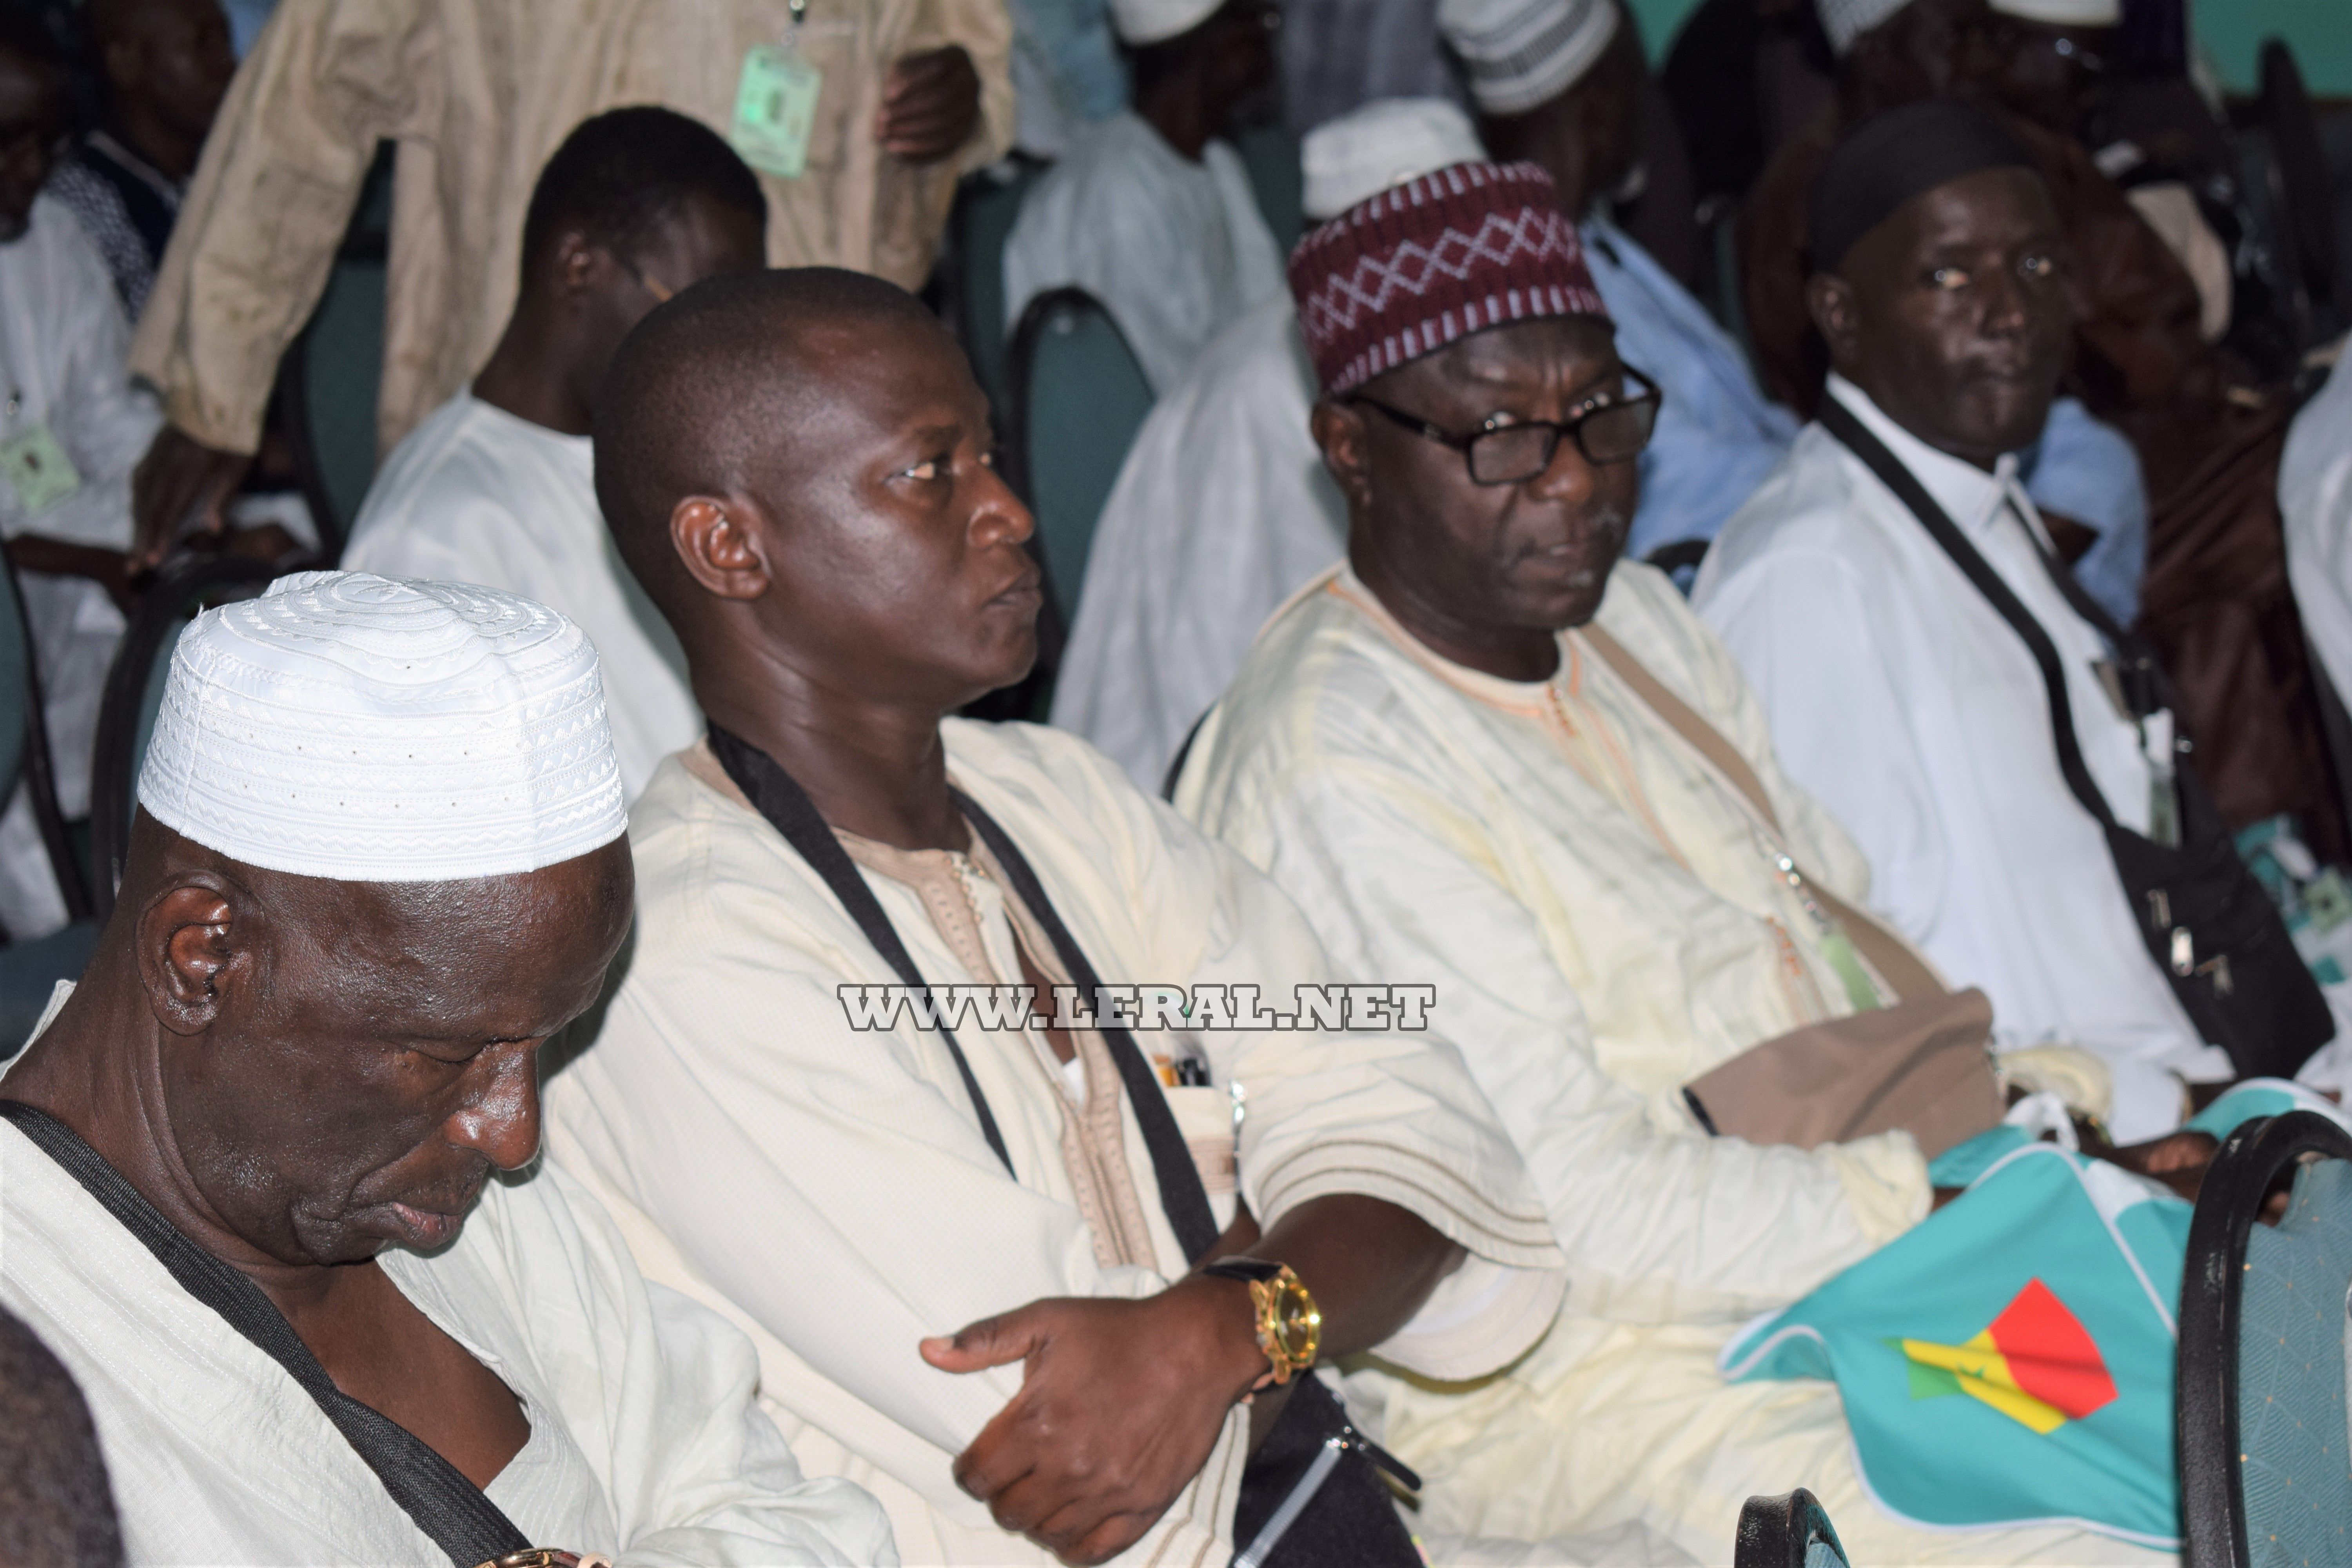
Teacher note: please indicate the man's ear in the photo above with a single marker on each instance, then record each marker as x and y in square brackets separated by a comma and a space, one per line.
[574, 263]
[188, 941]
[721, 545]
[1830, 300]
[1340, 431]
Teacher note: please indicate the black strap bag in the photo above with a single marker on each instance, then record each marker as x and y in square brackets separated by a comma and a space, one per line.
[2207, 924]
[433, 1492]
[1312, 1495]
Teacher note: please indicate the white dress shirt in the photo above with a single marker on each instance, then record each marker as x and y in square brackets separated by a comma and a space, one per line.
[1904, 702]
[1176, 249]
[476, 494]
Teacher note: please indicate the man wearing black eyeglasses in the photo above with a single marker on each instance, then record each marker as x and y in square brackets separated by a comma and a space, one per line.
[1488, 753]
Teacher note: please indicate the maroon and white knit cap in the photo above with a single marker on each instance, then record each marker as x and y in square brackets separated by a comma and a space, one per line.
[1434, 259]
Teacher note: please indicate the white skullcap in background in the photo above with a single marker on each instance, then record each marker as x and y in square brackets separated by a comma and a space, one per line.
[1521, 53]
[1142, 21]
[369, 729]
[1386, 143]
[2064, 13]
[1846, 20]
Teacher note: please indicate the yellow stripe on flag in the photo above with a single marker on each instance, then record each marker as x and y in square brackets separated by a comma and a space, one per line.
[1982, 1372]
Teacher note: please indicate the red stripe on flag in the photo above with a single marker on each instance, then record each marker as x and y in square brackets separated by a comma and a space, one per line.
[2051, 1354]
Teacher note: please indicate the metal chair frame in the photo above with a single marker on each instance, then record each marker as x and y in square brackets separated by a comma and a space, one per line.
[1777, 1531]
[2228, 1206]
[38, 772]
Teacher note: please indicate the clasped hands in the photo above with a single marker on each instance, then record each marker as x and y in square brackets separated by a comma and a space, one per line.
[1122, 1403]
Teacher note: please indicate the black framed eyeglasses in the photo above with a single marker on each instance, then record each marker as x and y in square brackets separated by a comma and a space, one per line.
[1611, 428]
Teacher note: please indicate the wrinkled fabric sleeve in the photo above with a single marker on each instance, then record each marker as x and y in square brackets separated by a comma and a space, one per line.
[1654, 1225]
[256, 235]
[660, 1392]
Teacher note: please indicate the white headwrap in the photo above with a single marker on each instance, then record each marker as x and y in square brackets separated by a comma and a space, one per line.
[1846, 20]
[1386, 143]
[2064, 13]
[369, 729]
[1140, 22]
[1522, 53]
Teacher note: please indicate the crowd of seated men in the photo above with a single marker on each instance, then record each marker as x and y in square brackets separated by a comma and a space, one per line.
[595, 1059]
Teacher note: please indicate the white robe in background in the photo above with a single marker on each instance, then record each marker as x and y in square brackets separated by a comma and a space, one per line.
[2315, 503]
[1905, 703]
[63, 348]
[831, 1190]
[646, 1441]
[1176, 249]
[476, 494]
[1604, 920]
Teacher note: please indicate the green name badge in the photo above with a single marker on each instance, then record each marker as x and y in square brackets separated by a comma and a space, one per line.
[775, 108]
[37, 470]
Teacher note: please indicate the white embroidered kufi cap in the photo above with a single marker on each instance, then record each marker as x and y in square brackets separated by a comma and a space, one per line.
[1139, 22]
[1846, 20]
[1386, 143]
[2064, 13]
[1522, 53]
[371, 730]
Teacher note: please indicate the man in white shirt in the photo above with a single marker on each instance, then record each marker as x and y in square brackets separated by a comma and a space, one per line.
[1151, 212]
[1898, 695]
[249, 1159]
[496, 486]
[2316, 505]
[797, 466]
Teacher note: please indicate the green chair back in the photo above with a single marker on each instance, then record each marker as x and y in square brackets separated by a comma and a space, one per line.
[986, 204]
[1079, 398]
[326, 384]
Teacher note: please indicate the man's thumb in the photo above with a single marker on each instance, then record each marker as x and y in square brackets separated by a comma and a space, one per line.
[999, 1341]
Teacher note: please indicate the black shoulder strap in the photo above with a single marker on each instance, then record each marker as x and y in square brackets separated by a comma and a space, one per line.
[1840, 422]
[1181, 1196]
[779, 797]
[433, 1492]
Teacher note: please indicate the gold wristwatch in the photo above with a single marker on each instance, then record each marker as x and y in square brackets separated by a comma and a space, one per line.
[1290, 1324]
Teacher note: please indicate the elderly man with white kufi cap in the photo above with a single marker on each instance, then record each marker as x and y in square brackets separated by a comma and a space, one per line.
[378, 861]
[1152, 212]
[1223, 507]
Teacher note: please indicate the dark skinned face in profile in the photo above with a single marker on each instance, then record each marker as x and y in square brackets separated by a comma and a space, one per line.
[1485, 574]
[907, 581]
[345, 1064]
[1954, 315]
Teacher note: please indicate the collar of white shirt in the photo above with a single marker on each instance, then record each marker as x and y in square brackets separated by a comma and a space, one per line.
[1970, 496]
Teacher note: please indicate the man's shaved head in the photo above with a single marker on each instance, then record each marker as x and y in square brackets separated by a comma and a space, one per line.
[706, 396]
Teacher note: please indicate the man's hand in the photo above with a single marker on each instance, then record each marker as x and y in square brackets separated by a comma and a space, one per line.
[179, 478]
[930, 105]
[1120, 1403]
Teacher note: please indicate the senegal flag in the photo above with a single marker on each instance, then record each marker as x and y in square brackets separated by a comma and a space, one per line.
[2010, 1359]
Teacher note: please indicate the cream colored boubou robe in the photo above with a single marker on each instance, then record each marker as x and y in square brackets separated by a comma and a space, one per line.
[1604, 920]
[830, 1187]
[645, 1442]
[478, 94]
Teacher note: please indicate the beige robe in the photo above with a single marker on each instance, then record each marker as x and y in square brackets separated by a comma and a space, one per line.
[1604, 920]
[828, 1187]
[478, 94]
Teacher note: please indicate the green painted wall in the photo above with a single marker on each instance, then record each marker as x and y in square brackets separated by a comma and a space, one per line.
[2231, 30]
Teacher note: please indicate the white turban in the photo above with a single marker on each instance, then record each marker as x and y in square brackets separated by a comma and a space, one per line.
[1846, 20]
[1140, 22]
[369, 729]
[1522, 53]
[1386, 143]
[2064, 13]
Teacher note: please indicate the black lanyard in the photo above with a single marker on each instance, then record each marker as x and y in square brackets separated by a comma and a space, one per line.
[780, 798]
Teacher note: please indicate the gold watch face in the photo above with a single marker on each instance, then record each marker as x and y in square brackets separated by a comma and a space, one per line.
[1297, 1319]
